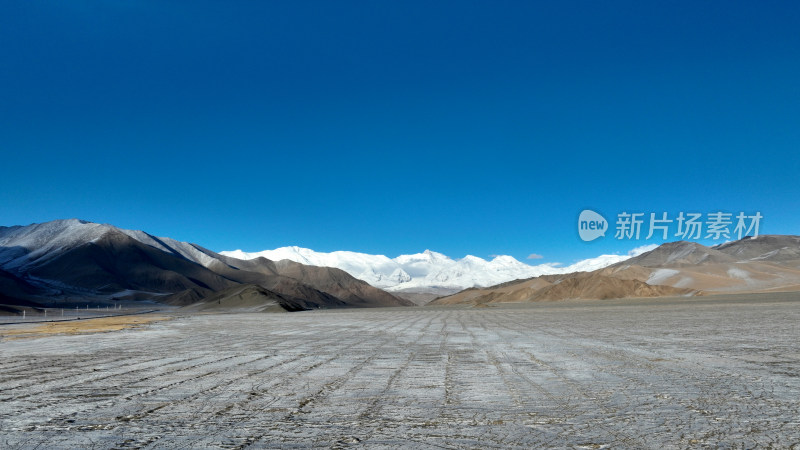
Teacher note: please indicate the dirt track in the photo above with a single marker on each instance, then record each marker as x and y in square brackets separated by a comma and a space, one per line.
[677, 374]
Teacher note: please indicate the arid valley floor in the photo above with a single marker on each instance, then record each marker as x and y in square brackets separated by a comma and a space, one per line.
[670, 373]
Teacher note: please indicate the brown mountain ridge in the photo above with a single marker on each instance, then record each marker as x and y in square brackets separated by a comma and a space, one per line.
[767, 263]
[76, 261]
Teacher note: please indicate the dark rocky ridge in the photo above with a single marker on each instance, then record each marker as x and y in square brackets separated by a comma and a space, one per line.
[100, 263]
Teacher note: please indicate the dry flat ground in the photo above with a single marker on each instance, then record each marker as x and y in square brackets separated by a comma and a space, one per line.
[670, 373]
[89, 326]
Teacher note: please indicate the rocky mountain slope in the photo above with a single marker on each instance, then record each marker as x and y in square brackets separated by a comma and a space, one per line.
[761, 264]
[66, 260]
[241, 298]
[75, 261]
[427, 275]
[767, 263]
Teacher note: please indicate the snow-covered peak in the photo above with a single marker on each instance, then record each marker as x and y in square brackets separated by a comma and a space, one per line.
[425, 257]
[377, 270]
[26, 246]
[428, 269]
[169, 245]
[505, 260]
[22, 246]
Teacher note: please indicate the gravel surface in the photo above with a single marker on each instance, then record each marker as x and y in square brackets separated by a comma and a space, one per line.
[637, 374]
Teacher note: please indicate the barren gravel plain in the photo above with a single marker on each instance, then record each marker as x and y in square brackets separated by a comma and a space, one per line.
[661, 373]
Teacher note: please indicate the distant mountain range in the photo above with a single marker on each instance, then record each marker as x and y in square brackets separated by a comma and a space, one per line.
[767, 263]
[427, 275]
[64, 261]
[67, 262]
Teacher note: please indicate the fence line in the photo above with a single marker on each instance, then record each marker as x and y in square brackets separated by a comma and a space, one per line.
[39, 315]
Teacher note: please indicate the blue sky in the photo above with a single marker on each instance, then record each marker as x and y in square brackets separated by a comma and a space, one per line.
[390, 127]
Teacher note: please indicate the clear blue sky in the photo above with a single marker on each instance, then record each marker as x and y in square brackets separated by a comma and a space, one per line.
[394, 126]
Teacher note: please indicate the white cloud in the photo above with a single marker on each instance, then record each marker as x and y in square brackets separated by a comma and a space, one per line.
[643, 249]
[598, 262]
[535, 256]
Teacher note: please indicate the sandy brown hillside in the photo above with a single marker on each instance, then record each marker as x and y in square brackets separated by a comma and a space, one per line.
[774, 248]
[245, 298]
[750, 276]
[581, 285]
[679, 254]
[597, 286]
[762, 264]
[515, 291]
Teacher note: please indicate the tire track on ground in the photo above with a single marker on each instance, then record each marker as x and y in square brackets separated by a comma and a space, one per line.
[334, 385]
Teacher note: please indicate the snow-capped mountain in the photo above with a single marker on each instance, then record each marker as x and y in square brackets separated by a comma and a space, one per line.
[77, 259]
[430, 271]
[27, 246]
[34, 245]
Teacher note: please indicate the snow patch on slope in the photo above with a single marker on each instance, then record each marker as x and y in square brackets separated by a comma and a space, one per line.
[739, 273]
[169, 245]
[659, 276]
[37, 243]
